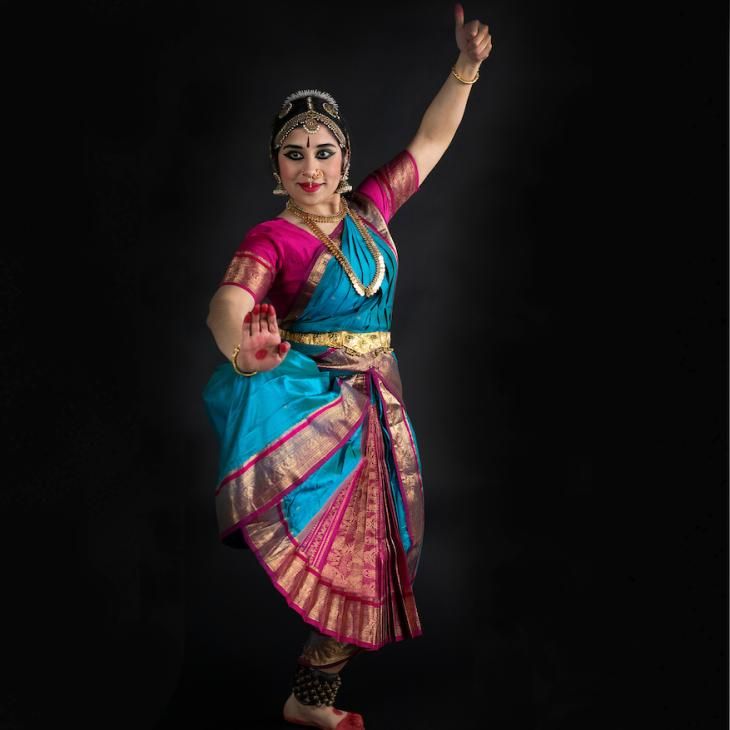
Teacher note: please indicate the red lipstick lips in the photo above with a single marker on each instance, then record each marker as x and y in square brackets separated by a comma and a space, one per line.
[309, 188]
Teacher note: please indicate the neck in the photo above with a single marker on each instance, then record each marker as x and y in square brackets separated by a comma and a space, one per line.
[331, 206]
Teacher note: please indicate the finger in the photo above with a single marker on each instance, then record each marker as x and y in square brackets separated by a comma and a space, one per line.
[257, 319]
[471, 28]
[271, 321]
[482, 33]
[246, 324]
[484, 45]
[283, 349]
[459, 15]
[474, 43]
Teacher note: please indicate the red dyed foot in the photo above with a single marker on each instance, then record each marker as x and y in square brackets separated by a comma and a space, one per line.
[352, 721]
[324, 718]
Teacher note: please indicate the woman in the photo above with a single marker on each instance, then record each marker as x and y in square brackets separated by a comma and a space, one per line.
[320, 473]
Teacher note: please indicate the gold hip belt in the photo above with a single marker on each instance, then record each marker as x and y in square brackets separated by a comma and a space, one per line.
[358, 343]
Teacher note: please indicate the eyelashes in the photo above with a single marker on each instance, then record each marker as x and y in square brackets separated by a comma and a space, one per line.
[301, 157]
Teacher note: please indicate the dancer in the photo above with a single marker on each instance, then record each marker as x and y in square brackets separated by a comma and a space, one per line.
[320, 472]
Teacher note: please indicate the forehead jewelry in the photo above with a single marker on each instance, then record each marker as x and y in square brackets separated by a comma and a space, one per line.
[310, 120]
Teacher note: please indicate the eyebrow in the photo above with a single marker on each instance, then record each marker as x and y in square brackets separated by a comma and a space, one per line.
[299, 147]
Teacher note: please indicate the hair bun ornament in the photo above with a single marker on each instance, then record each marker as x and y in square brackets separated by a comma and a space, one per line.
[331, 110]
[314, 92]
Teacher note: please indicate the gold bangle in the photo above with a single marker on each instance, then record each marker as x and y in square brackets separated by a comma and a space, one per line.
[462, 79]
[236, 350]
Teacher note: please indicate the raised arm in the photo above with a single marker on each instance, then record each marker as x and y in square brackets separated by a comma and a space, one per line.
[444, 114]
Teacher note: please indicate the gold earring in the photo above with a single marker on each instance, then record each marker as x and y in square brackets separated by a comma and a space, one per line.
[279, 189]
[344, 186]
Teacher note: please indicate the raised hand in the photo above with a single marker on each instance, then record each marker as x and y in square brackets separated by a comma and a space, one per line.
[472, 38]
[261, 345]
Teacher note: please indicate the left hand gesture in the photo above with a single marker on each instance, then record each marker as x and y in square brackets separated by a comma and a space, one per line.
[472, 38]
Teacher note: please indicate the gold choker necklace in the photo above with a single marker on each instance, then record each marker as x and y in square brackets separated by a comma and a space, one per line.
[336, 218]
[331, 246]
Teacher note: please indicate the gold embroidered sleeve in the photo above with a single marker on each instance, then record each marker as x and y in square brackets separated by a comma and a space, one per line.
[250, 272]
[392, 184]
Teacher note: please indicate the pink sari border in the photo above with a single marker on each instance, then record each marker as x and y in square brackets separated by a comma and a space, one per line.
[353, 484]
[276, 444]
[409, 527]
[318, 625]
[316, 573]
[303, 477]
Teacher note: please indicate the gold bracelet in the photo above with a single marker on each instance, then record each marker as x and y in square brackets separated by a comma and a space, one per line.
[236, 350]
[462, 79]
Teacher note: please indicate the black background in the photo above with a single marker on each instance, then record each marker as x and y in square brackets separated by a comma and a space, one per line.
[560, 320]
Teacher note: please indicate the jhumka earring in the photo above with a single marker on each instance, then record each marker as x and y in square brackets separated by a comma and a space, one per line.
[344, 186]
[279, 189]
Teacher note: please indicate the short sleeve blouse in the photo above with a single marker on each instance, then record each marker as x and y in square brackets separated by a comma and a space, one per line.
[275, 257]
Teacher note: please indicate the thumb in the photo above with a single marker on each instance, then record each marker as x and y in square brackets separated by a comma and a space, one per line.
[459, 15]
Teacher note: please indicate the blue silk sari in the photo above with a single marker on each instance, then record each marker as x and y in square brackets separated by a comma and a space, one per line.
[320, 472]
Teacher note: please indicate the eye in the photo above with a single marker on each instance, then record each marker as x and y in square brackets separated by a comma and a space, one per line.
[321, 154]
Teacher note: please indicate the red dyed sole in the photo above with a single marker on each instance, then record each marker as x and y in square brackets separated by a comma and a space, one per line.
[344, 724]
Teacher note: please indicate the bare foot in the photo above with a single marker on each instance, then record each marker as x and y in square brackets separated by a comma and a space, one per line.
[326, 718]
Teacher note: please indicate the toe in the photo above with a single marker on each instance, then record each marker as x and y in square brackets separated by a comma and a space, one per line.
[353, 721]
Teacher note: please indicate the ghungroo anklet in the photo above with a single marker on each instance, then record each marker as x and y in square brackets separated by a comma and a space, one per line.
[314, 687]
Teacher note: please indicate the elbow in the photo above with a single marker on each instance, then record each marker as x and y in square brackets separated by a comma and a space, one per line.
[210, 318]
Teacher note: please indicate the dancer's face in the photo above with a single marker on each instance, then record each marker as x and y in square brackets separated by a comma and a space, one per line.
[310, 158]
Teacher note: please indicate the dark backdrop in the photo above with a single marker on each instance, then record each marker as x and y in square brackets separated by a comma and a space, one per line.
[560, 320]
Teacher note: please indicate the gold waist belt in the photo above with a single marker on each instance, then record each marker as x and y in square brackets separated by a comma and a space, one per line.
[358, 343]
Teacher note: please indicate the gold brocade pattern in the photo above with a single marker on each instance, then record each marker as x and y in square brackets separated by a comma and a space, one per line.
[348, 574]
[253, 272]
[398, 181]
[384, 363]
[265, 476]
[409, 474]
[353, 343]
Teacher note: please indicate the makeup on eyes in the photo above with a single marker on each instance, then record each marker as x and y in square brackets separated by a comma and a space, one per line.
[327, 156]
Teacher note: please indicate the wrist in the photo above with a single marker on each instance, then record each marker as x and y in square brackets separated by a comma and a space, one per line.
[466, 67]
[242, 368]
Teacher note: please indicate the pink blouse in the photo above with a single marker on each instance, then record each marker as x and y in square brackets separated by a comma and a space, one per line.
[275, 257]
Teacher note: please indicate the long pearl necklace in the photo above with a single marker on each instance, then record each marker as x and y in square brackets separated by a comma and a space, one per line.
[331, 246]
